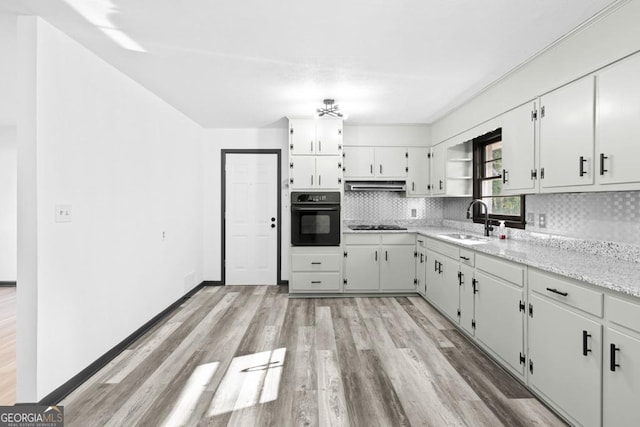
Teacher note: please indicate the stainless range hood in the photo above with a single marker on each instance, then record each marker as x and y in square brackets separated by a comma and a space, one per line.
[397, 186]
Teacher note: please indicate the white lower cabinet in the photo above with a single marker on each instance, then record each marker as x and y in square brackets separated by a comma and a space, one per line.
[315, 269]
[499, 318]
[443, 289]
[621, 371]
[397, 265]
[467, 299]
[376, 262]
[565, 359]
[421, 270]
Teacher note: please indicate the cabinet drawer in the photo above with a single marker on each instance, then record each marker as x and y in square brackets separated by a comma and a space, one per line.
[398, 239]
[623, 313]
[362, 238]
[505, 270]
[446, 249]
[421, 241]
[576, 296]
[315, 262]
[467, 257]
[314, 282]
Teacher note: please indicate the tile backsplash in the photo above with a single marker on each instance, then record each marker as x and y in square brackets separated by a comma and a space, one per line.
[377, 207]
[613, 216]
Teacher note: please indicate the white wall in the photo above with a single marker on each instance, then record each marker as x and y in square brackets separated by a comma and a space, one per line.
[399, 136]
[611, 37]
[8, 204]
[130, 166]
[214, 141]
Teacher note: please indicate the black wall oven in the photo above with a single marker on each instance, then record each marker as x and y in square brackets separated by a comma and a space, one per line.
[315, 219]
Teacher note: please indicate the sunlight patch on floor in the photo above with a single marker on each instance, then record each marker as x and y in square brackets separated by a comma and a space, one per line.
[197, 383]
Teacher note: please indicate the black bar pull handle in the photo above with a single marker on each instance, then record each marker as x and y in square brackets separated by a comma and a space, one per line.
[376, 255]
[555, 291]
[612, 357]
[316, 263]
[386, 256]
[439, 268]
[316, 282]
[504, 176]
[466, 258]
[602, 159]
[582, 162]
[435, 265]
[585, 349]
[474, 284]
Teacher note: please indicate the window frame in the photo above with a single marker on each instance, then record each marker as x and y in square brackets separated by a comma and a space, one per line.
[479, 145]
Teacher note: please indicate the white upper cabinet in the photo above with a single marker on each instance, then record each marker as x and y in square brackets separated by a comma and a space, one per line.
[315, 137]
[315, 173]
[418, 176]
[618, 125]
[567, 137]
[391, 162]
[375, 162]
[438, 169]
[328, 137]
[359, 162]
[519, 150]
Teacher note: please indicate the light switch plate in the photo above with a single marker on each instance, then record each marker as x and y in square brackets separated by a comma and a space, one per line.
[414, 213]
[63, 213]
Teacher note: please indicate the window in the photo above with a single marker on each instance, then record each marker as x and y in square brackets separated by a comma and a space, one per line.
[487, 183]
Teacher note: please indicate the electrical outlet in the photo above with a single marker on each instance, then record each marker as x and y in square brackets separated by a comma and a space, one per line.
[531, 219]
[63, 213]
[542, 220]
[414, 213]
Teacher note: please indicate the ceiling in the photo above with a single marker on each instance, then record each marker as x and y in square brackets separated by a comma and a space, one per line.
[250, 63]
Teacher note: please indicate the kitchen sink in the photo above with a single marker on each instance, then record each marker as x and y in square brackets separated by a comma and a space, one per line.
[466, 239]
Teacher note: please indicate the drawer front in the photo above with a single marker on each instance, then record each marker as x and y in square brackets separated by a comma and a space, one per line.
[421, 241]
[398, 239]
[467, 257]
[623, 313]
[443, 248]
[362, 238]
[564, 291]
[315, 262]
[509, 271]
[314, 282]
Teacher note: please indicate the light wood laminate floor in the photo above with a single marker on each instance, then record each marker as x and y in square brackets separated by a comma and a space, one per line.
[7, 345]
[250, 356]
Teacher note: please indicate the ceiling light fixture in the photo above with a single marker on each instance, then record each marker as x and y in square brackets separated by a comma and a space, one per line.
[329, 109]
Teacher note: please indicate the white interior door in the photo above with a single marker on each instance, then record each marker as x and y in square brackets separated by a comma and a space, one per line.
[251, 228]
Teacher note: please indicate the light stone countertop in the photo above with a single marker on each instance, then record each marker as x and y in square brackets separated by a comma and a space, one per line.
[610, 273]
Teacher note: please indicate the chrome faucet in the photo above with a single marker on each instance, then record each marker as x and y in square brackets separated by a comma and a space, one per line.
[487, 227]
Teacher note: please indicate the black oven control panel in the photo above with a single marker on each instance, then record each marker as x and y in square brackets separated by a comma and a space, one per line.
[332, 197]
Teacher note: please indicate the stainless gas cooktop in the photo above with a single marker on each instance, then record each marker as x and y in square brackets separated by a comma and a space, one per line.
[375, 227]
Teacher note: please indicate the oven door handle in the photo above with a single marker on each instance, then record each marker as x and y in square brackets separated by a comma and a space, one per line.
[295, 208]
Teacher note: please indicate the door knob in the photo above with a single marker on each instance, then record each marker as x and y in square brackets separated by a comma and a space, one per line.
[273, 219]
[273, 226]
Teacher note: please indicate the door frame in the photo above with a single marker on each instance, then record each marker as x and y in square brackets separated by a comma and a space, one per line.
[223, 181]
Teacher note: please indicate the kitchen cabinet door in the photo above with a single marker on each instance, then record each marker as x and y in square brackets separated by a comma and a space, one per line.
[621, 382]
[442, 284]
[518, 150]
[466, 298]
[438, 159]
[397, 268]
[421, 272]
[362, 268]
[302, 136]
[328, 137]
[618, 127]
[558, 368]
[359, 162]
[302, 172]
[391, 162]
[328, 172]
[566, 136]
[418, 175]
[499, 322]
